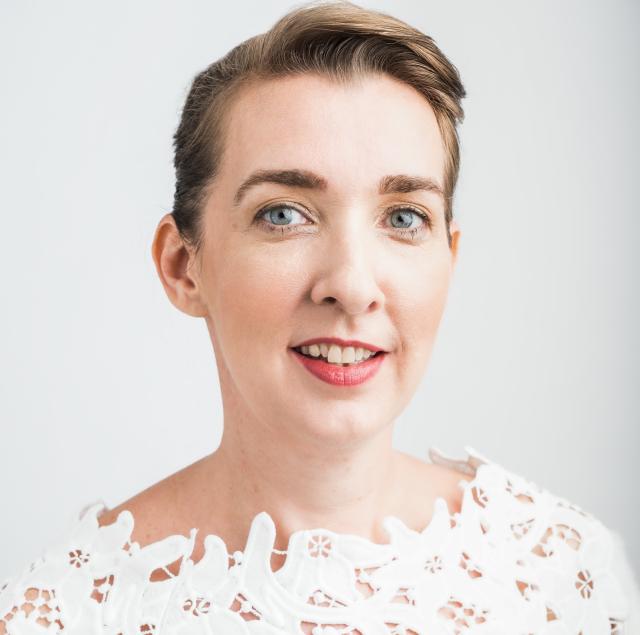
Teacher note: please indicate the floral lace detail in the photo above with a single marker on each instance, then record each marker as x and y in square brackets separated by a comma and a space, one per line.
[515, 560]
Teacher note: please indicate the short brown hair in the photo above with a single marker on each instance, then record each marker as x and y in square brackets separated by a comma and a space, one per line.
[338, 39]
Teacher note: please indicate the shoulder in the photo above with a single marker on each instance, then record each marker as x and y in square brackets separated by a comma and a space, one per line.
[558, 553]
[439, 479]
[96, 572]
[519, 507]
[628, 580]
[171, 506]
[97, 539]
[156, 518]
[98, 559]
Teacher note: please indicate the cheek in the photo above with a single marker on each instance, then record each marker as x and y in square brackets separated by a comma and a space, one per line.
[256, 294]
[423, 301]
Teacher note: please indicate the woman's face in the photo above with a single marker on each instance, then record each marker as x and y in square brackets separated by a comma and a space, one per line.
[333, 258]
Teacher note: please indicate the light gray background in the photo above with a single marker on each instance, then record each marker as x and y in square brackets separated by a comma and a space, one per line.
[105, 388]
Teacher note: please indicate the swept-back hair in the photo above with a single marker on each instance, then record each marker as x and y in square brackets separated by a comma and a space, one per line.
[337, 39]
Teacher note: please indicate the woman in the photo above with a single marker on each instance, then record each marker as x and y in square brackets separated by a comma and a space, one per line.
[312, 229]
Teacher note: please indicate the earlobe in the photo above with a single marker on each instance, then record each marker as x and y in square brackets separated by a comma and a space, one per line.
[454, 230]
[173, 262]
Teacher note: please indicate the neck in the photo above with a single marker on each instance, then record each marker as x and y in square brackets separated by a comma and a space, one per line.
[303, 484]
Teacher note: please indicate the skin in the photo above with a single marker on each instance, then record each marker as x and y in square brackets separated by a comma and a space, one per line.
[309, 453]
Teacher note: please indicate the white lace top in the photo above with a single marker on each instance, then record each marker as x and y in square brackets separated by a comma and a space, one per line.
[515, 560]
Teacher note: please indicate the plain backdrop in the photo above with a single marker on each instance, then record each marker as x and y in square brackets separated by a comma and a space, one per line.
[106, 388]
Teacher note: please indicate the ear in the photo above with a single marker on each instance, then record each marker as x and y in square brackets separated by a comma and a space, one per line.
[174, 263]
[454, 230]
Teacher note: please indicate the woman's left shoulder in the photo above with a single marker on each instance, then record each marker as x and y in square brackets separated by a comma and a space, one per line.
[522, 509]
[557, 546]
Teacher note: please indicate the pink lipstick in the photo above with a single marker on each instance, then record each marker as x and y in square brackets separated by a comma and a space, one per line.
[350, 375]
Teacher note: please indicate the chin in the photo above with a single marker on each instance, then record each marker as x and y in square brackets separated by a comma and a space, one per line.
[340, 423]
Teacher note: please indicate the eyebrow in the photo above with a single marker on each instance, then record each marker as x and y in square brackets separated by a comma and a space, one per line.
[390, 184]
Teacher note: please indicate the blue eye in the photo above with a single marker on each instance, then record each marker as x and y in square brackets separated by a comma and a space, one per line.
[406, 218]
[405, 215]
[278, 217]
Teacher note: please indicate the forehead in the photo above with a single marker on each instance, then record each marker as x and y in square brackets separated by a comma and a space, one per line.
[350, 133]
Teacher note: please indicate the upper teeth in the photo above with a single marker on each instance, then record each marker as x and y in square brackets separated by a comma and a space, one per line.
[337, 354]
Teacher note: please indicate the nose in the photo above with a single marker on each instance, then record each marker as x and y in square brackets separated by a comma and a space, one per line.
[348, 274]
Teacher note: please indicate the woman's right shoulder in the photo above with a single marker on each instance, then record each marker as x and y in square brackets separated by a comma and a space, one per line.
[71, 579]
[30, 594]
[78, 567]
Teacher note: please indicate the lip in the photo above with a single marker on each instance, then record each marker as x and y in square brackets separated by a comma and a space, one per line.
[341, 375]
[340, 342]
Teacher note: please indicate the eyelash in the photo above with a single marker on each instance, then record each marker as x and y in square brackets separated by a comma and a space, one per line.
[284, 229]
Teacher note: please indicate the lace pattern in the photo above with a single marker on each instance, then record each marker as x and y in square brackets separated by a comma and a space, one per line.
[516, 559]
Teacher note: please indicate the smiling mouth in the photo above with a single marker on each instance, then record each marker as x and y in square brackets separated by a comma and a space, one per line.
[320, 358]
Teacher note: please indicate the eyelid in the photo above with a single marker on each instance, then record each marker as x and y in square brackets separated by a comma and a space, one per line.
[263, 209]
[419, 210]
[424, 214]
[272, 206]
